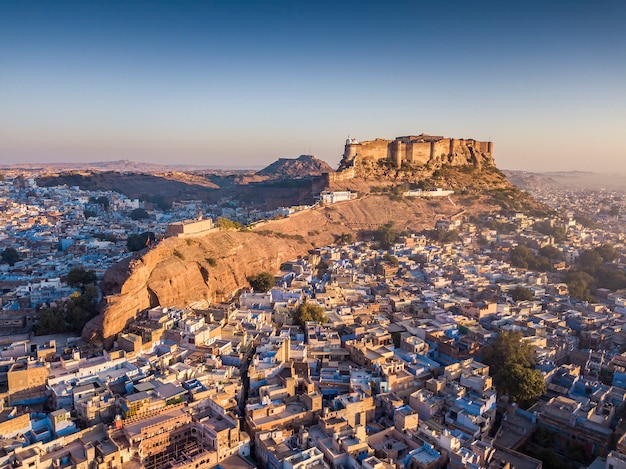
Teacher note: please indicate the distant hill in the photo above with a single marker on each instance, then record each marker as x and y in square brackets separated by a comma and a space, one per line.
[118, 165]
[573, 180]
[292, 168]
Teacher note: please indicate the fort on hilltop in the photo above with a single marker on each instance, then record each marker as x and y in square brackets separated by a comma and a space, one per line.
[419, 150]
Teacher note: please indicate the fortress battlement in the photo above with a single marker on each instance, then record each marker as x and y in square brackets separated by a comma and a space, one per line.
[419, 150]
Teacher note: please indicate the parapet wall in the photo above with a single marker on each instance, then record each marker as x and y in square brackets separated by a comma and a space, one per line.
[189, 228]
[419, 150]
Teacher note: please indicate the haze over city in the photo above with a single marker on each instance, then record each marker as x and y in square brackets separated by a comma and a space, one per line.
[217, 84]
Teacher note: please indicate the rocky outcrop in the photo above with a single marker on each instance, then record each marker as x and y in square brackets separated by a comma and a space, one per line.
[215, 265]
[179, 272]
[303, 166]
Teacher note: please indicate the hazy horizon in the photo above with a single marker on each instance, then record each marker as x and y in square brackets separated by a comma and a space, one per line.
[203, 83]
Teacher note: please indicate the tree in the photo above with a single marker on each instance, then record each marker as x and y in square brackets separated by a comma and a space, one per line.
[90, 213]
[137, 242]
[225, 224]
[546, 228]
[522, 294]
[607, 252]
[521, 384]
[103, 201]
[444, 236]
[550, 252]
[512, 362]
[51, 321]
[309, 312]
[139, 214]
[393, 260]
[344, 238]
[322, 268]
[585, 221]
[262, 282]
[81, 308]
[580, 284]
[386, 235]
[9, 256]
[521, 256]
[79, 277]
[589, 260]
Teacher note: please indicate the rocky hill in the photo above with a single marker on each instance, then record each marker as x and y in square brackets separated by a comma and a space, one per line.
[214, 266]
[572, 180]
[179, 271]
[291, 168]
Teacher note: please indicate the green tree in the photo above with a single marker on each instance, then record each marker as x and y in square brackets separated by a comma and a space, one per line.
[137, 242]
[585, 221]
[386, 235]
[589, 260]
[444, 236]
[262, 282]
[521, 384]
[607, 252]
[309, 312]
[511, 361]
[322, 268]
[106, 237]
[225, 224]
[550, 252]
[522, 294]
[9, 256]
[81, 308]
[393, 260]
[51, 321]
[79, 277]
[521, 256]
[345, 238]
[160, 201]
[611, 278]
[102, 200]
[426, 185]
[139, 214]
[580, 284]
[556, 231]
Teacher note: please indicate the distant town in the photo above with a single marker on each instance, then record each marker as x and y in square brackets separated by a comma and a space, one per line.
[483, 342]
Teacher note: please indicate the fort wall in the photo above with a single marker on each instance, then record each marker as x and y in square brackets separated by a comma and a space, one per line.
[189, 227]
[419, 150]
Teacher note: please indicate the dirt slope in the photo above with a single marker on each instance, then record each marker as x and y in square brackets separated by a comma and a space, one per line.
[178, 271]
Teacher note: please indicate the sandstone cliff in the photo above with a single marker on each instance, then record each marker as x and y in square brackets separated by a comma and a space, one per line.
[179, 271]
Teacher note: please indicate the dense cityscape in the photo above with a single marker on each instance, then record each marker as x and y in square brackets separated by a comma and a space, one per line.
[482, 342]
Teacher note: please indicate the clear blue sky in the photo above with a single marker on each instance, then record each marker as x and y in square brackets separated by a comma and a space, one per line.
[242, 83]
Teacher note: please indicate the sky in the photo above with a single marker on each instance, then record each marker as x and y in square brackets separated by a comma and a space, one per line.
[242, 83]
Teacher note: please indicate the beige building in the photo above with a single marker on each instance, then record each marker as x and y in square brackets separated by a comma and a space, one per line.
[26, 378]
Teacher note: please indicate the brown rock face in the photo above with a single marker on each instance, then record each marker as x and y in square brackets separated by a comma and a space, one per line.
[304, 165]
[178, 272]
[181, 271]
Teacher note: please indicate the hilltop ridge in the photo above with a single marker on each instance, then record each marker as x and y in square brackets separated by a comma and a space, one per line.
[303, 166]
[178, 272]
[214, 266]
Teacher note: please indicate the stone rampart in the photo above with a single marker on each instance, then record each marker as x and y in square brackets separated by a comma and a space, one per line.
[419, 150]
